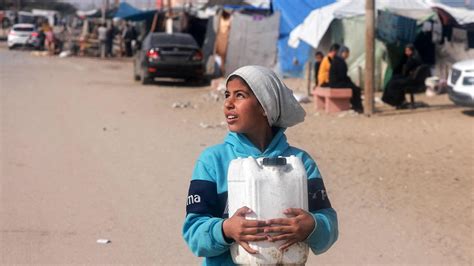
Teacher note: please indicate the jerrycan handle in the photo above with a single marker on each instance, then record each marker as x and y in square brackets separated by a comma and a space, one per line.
[274, 161]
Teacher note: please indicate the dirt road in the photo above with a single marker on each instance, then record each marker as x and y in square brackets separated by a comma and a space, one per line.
[86, 154]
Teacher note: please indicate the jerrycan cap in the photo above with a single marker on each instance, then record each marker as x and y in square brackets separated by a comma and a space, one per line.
[274, 161]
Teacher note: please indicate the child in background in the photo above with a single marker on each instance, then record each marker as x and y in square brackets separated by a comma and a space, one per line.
[258, 108]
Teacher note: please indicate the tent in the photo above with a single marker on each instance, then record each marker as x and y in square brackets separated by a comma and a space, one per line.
[292, 60]
[348, 27]
[244, 48]
[347, 9]
[127, 12]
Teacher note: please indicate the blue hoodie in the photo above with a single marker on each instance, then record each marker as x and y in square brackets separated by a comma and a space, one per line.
[207, 197]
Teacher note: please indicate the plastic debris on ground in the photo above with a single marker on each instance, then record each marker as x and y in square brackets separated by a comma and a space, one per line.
[182, 105]
[103, 241]
[64, 54]
[301, 97]
[221, 125]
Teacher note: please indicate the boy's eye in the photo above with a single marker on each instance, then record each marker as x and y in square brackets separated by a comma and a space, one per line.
[226, 94]
[240, 95]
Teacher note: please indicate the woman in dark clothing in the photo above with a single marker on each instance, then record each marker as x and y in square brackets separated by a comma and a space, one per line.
[394, 93]
[338, 78]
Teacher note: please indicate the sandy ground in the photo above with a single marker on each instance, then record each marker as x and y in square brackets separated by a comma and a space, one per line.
[86, 153]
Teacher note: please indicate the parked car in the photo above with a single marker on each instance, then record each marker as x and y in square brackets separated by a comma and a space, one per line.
[461, 83]
[175, 55]
[23, 35]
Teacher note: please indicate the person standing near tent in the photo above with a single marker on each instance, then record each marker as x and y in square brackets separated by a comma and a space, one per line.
[318, 58]
[394, 93]
[109, 42]
[258, 107]
[102, 36]
[338, 78]
[129, 35]
[323, 73]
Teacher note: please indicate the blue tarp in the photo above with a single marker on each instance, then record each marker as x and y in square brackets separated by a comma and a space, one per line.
[392, 28]
[128, 12]
[293, 13]
[125, 10]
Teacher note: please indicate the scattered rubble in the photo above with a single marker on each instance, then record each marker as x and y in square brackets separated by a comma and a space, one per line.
[222, 124]
[183, 105]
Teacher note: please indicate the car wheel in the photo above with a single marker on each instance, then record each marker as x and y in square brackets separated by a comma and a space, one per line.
[145, 78]
[136, 76]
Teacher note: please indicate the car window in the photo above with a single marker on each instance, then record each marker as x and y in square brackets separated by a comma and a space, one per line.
[173, 39]
[25, 29]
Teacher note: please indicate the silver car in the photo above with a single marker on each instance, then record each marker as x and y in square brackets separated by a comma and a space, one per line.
[23, 35]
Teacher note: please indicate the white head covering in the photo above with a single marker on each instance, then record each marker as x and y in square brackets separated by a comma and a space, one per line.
[281, 107]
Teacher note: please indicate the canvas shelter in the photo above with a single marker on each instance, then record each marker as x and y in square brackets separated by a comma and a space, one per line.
[343, 22]
[291, 60]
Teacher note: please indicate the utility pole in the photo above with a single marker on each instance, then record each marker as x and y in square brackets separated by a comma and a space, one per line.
[369, 56]
[169, 19]
[105, 7]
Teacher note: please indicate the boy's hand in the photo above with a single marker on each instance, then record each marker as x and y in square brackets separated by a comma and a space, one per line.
[242, 230]
[294, 229]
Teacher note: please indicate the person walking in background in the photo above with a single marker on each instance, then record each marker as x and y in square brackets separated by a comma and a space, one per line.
[102, 36]
[318, 58]
[49, 39]
[338, 78]
[323, 73]
[129, 35]
[109, 42]
[394, 93]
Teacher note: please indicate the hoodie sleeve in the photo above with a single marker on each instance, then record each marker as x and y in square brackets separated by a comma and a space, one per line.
[202, 229]
[326, 231]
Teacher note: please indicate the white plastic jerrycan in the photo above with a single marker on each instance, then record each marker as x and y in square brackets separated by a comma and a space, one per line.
[268, 186]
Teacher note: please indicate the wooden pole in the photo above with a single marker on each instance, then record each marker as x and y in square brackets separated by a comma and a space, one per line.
[369, 56]
[308, 81]
[104, 10]
[155, 20]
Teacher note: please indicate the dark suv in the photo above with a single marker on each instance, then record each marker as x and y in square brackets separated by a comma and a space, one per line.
[164, 55]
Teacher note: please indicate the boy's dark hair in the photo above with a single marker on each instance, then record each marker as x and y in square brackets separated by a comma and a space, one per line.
[319, 53]
[344, 49]
[410, 46]
[334, 47]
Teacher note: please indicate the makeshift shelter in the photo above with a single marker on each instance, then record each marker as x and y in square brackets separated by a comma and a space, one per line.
[245, 49]
[125, 10]
[231, 41]
[292, 60]
[401, 22]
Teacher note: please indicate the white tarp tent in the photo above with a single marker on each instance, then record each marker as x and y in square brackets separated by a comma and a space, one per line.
[462, 15]
[316, 24]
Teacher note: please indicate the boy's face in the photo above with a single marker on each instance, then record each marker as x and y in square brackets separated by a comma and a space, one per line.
[319, 58]
[345, 54]
[242, 110]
